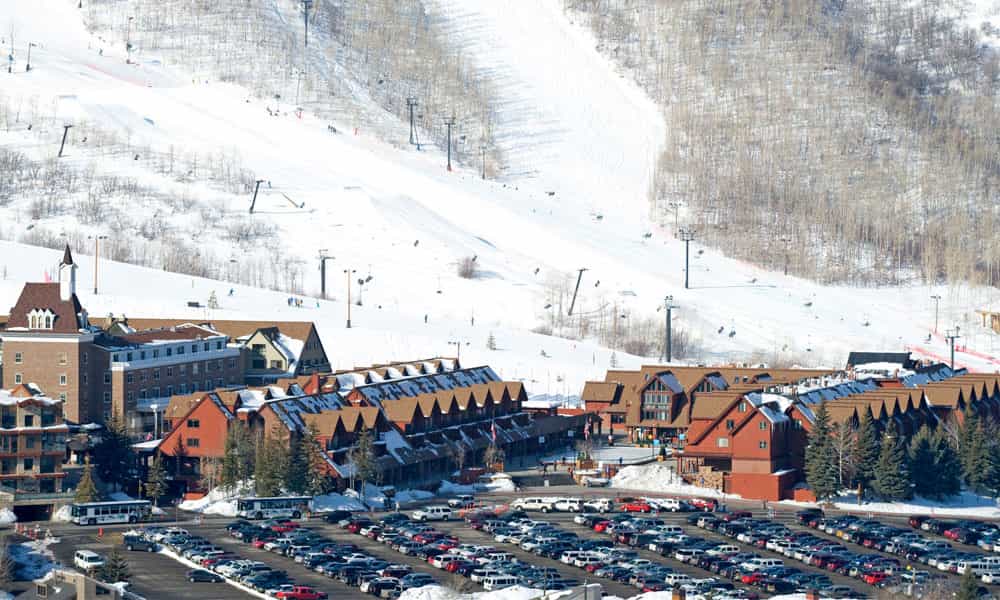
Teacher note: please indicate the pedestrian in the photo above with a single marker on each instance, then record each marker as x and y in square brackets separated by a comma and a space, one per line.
[425, 318]
[621, 460]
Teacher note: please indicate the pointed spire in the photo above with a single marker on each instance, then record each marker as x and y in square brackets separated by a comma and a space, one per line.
[67, 256]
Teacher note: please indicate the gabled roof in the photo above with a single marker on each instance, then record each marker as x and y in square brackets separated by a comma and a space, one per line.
[299, 330]
[601, 391]
[46, 296]
[901, 358]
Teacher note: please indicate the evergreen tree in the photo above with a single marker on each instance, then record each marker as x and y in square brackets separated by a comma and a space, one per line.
[969, 443]
[156, 480]
[844, 449]
[867, 448]
[113, 454]
[271, 461]
[115, 568]
[364, 460]
[892, 475]
[613, 362]
[86, 490]
[968, 587]
[947, 466]
[978, 466]
[180, 452]
[319, 479]
[494, 457]
[230, 459]
[491, 342]
[821, 461]
[922, 464]
[297, 474]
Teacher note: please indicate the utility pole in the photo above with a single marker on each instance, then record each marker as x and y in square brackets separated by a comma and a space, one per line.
[348, 273]
[786, 240]
[27, 66]
[675, 205]
[572, 303]
[951, 335]
[256, 189]
[411, 103]
[323, 257]
[668, 305]
[686, 235]
[450, 122]
[458, 348]
[10, 56]
[97, 254]
[937, 302]
[482, 148]
[128, 41]
[63, 144]
[306, 7]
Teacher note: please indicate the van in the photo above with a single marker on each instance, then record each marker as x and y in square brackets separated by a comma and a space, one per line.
[432, 513]
[669, 530]
[87, 560]
[499, 582]
[670, 504]
[759, 564]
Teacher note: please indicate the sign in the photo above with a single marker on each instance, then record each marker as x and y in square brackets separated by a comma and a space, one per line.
[656, 441]
[541, 439]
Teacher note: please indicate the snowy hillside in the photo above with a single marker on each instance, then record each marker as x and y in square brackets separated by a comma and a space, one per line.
[188, 154]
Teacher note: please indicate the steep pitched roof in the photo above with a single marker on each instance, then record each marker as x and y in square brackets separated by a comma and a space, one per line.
[44, 296]
[298, 330]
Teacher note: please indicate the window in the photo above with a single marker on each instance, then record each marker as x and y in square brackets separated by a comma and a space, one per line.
[232, 363]
[763, 425]
[170, 390]
[218, 365]
[29, 420]
[206, 347]
[743, 406]
[29, 464]
[193, 442]
[143, 375]
[722, 442]
[62, 358]
[17, 378]
[762, 445]
[218, 345]
[107, 397]
[115, 357]
[275, 364]
[220, 382]
[156, 354]
[62, 379]
[154, 393]
[128, 357]
[130, 378]
[730, 423]
[48, 322]
[194, 368]
[107, 378]
[142, 394]
[194, 348]
[17, 358]
[142, 355]
[156, 374]
[182, 388]
[170, 351]
[170, 371]
[194, 423]
[84, 377]
[130, 397]
[798, 423]
[84, 358]
[182, 369]
[29, 442]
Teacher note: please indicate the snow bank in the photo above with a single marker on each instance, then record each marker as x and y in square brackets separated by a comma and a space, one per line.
[450, 488]
[63, 515]
[660, 477]
[216, 502]
[6, 596]
[334, 501]
[436, 592]
[34, 559]
[7, 516]
[966, 504]
[375, 496]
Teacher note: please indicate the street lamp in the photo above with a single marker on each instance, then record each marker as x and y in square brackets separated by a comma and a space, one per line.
[951, 335]
[937, 303]
[156, 424]
[348, 273]
[27, 66]
[686, 235]
[128, 41]
[668, 305]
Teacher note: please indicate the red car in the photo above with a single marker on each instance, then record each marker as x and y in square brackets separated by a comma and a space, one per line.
[284, 526]
[652, 586]
[874, 577]
[601, 526]
[301, 592]
[752, 578]
[706, 504]
[739, 514]
[637, 506]
[917, 520]
[259, 543]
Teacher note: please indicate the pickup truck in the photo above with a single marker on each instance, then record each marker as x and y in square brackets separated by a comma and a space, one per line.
[462, 501]
[301, 592]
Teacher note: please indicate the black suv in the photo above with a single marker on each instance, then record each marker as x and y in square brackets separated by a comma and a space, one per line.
[138, 543]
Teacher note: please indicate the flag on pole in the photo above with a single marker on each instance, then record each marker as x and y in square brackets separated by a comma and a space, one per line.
[493, 430]
[48, 278]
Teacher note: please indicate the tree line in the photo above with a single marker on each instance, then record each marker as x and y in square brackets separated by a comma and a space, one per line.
[882, 463]
[851, 141]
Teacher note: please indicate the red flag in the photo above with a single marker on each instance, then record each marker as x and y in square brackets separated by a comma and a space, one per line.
[493, 430]
[48, 279]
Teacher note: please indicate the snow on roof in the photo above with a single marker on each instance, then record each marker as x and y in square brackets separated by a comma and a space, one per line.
[772, 406]
[886, 369]
[394, 442]
[251, 399]
[149, 445]
[543, 401]
[291, 349]
[9, 400]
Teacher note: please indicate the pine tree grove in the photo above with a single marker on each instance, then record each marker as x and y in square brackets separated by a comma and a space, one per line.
[297, 473]
[364, 461]
[867, 447]
[86, 490]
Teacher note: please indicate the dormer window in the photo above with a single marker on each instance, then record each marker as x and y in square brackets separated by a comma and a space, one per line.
[40, 319]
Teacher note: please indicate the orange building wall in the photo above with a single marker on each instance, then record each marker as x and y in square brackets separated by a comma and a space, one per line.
[210, 433]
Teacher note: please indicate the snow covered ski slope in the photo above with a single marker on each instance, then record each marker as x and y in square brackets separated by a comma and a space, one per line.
[583, 132]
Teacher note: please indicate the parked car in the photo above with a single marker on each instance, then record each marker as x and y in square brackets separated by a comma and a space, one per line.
[462, 501]
[301, 592]
[203, 576]
[432, 513]
[139, 543]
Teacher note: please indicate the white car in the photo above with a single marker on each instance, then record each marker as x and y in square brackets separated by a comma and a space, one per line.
[673, 579]
[599, 505]
[443, 560]
[535, 503]
[87, 560]
[568, 505]
[432, 513]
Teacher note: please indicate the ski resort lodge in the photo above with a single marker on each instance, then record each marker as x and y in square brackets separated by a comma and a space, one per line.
[744, 431]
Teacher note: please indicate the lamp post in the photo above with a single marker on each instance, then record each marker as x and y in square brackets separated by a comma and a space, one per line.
[686, 235]
[348, 273]
[450, 122]
[937, 303]
[458, 348]
[156, 424]
[323, 257]
[27, 66]
[668, 305]
[97, 254]
[951, 335]
[786, 240]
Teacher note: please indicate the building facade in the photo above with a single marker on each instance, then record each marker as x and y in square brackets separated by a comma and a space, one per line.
[32, 442]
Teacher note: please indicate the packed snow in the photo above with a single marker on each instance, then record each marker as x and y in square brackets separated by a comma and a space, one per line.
[34, 558]
[64, 514]
[967, 504]
[7, 517]
[659, 477]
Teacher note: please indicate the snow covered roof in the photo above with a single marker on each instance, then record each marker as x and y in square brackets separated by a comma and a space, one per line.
[772, 406]
[378, 392]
